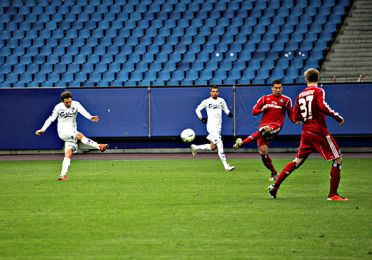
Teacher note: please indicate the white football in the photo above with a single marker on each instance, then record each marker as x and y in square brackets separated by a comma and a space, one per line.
[188, 135]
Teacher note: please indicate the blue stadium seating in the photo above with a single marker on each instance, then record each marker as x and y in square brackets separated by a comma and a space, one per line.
[167, 42]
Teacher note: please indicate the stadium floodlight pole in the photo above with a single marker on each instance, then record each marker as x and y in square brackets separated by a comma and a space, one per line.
[234, 108]
[149, 110]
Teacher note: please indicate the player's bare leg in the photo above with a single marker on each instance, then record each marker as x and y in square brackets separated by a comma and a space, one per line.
[264, 152]
[335, 175]
[91, 143]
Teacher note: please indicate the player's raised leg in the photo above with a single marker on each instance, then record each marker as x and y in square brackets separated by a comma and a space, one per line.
[91, 143]
[239, 142]
[200, 148]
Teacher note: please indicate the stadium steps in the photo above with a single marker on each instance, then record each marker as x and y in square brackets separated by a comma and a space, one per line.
[350, 57]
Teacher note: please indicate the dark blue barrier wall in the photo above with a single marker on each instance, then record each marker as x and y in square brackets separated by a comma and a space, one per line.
[173, 109]
[123, 112]
[22, 112]
[162, 112]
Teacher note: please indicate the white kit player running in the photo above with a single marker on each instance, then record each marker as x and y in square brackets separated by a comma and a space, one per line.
[214, 107]
[66, 112]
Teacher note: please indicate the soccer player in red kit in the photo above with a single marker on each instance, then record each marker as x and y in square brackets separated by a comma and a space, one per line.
[311, 109]
[274, 108]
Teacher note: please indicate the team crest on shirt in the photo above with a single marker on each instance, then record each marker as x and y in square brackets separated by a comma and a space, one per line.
[281, 100]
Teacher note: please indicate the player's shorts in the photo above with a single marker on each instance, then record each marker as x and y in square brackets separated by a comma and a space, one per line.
[70, 140]
[274, 131]
[214, 137]
[324, 144]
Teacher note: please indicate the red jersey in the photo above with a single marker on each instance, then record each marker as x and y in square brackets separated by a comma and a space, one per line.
[277, 107]
[311, 109]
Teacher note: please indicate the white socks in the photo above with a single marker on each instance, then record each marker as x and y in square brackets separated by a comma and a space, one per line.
[221, 153]
[65, 165]
[203, 147]
[89, 142]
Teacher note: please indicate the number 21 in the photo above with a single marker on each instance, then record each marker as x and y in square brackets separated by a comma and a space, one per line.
[305, 106]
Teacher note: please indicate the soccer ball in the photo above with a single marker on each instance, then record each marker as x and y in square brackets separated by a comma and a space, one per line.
[188, 135]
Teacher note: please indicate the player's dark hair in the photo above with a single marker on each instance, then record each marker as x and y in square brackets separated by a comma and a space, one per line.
[277, 81]
[311, 75]
[214, 86]
[65, 94]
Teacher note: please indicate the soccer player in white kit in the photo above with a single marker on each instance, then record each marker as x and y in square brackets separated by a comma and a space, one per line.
[214, 107]
[66, 112]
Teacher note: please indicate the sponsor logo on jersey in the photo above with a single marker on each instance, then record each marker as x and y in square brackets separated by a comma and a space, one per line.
[215, 106]
[274, 106]
[67, 114]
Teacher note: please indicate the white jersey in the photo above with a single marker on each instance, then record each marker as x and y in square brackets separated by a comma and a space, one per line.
[66, 117]
[214, 108]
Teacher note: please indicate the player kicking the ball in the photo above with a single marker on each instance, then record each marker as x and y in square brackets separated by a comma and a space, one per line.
[214, 106]
[274, 108]
[66, 112]
[311, 109]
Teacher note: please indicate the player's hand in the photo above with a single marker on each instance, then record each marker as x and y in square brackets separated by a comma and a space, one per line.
[204, 120]
[264, 108]
[342, 122]
[297, 122]
[230, 114]
[39, 132]
[94, 118]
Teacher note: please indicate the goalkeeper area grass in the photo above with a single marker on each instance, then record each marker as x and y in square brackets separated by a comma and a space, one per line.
[180, 209]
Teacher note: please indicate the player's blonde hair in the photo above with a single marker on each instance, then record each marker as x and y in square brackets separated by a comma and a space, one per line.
[311, 75]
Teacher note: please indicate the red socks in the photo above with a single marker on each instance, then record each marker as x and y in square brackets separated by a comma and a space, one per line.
[252, 137]
[335, 179]
[268, 163]
[287, 170]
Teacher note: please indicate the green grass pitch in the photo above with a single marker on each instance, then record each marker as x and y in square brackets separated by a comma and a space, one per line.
[181, 209]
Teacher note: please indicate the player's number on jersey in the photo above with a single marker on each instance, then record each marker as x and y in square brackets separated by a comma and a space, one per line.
[305, 106]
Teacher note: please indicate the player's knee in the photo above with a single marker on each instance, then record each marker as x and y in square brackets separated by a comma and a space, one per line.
[263, 150]
[68, 153]
[79, 136]
[297, 162]
[338, 160]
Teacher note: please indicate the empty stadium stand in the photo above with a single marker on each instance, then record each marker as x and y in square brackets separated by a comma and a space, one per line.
[350, 58]
[53, 43]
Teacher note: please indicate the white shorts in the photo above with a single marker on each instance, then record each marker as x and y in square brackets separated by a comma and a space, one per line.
[70, 140]
[214, 137]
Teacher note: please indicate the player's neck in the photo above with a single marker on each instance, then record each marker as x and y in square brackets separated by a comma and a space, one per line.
[312, 85]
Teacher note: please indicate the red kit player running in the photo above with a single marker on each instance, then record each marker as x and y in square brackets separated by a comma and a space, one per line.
[274, 108]
[311, 109]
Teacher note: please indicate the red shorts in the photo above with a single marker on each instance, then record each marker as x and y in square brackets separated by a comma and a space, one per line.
[324, 144]
[265, 140]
